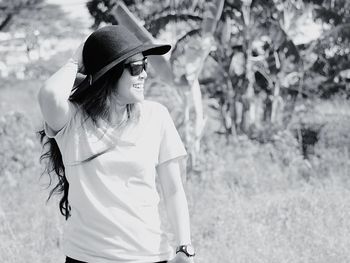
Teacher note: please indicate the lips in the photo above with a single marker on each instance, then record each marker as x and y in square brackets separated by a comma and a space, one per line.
[138, 86]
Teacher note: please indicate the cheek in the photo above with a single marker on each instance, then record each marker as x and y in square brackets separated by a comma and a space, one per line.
[123, 86]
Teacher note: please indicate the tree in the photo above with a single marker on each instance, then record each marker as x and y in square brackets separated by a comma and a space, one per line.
[11, 9]
[332, 49]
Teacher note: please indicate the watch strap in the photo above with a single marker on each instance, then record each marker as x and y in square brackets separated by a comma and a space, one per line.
[187, 249]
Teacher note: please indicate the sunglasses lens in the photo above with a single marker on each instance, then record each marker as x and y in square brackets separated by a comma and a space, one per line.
[136, 68]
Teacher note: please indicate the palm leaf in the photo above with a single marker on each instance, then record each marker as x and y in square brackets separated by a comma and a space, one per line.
[182, 42]
[328, 15]
[340, 32]
[160, 20]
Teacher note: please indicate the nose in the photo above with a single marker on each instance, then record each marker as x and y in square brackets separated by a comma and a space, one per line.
[143, 74]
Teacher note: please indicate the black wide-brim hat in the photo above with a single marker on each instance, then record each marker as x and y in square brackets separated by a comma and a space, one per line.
[107, 47]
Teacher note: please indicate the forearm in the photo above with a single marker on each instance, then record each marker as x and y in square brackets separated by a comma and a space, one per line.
[61, 82]
[177, 209]
[59, 86]
[53, 96]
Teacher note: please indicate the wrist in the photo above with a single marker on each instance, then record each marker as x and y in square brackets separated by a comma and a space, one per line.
[186, 249]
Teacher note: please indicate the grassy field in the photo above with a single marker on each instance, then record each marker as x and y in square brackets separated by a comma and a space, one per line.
[249, 202]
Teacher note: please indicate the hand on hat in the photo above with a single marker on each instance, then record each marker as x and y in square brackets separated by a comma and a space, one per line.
[78, 58]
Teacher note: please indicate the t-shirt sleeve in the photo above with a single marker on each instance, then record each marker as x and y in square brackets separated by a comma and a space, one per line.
[53, 134]
[171, 145]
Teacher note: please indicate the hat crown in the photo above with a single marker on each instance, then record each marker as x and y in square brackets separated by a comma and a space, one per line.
[106, 45]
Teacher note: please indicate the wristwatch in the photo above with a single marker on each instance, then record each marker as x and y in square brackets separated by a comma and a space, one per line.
[187, 249]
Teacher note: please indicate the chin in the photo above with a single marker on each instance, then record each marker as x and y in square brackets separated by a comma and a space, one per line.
[138, 99]
[141, 99]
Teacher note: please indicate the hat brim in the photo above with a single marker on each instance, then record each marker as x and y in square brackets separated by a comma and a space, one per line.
[145, 49]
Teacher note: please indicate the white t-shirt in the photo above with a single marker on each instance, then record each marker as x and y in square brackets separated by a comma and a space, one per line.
[113, 198]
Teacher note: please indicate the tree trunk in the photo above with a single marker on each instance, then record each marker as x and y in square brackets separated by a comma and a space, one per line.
[5, 22]
[248, 113]
[275, 103]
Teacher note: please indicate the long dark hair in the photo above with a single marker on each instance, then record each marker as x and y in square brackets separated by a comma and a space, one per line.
[95, 104]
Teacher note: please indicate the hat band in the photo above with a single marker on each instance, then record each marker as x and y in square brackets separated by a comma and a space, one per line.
[127, 54]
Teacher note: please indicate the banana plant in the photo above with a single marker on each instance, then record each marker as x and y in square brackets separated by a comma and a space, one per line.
[195, 55]
[264, 57]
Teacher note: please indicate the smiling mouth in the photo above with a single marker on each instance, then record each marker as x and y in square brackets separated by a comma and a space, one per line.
[138, 86]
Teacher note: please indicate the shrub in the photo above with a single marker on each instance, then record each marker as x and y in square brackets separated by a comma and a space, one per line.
[332, 152]
[29, 230]
[17, 144]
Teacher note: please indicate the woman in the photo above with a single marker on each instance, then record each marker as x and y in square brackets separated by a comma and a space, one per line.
[107, 145]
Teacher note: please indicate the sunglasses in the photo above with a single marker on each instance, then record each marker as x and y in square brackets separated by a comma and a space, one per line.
[135, 68]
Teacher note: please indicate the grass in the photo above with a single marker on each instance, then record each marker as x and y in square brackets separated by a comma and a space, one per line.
[305, 225]
[264, 203]
[337, 105]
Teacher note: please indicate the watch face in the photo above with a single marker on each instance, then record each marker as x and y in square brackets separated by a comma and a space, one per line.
[190, 250]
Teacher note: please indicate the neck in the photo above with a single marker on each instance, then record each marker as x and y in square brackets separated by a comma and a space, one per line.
[119, 109]
[118, 112]
[118, 106]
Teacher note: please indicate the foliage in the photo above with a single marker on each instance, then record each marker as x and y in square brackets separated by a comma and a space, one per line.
[43, 69]
[271, 227]
[335, 12]
[267, 203]
[11, 9]
[29, 17]
[332, 48]
[98, 9]
[156, 15]
[29, 230]
[333, 149]
[260, 45]
[17, 144]
[336, 133]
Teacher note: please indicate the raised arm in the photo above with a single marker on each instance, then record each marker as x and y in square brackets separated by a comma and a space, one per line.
[53, 95]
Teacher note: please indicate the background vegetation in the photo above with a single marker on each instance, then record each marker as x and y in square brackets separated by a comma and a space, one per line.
[270, 181]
